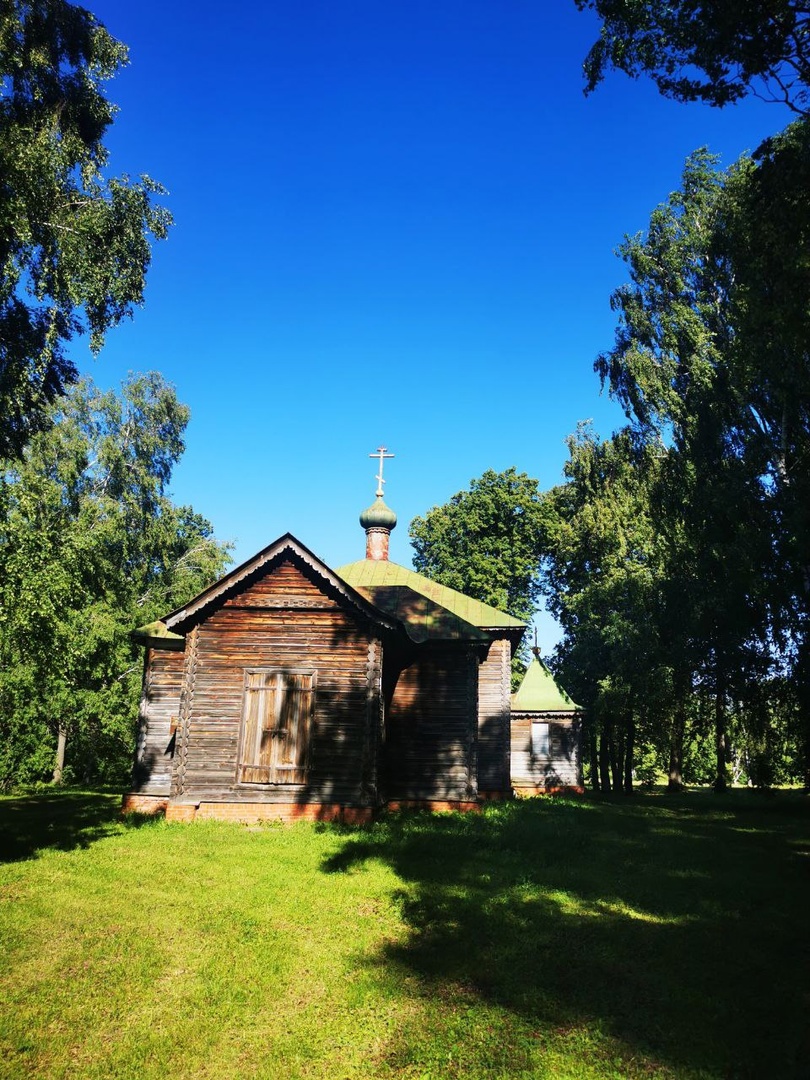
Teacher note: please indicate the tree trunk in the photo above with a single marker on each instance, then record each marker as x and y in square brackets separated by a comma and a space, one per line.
[60, 755]
[675, 781]
[594, 758]
[616, 761]
[721, 779]
[629, 748]
[802, 675]
[604, 763]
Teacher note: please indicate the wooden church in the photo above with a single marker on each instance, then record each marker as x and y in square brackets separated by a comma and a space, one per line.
[290, 690]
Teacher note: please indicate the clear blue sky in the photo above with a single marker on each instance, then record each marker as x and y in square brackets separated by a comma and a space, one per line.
[395, 224]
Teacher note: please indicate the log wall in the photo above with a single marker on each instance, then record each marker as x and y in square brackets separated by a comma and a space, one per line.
[431, 747]
[157, 718]
[283, 620]
[561, 768]
[493, 719]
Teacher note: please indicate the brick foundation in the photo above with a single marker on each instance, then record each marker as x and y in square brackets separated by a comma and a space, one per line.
[249, 813]
[436, 806]
[181, 812]
[132, 803]
[252, 812]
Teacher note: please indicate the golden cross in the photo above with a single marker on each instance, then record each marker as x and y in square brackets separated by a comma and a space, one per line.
[381, 454]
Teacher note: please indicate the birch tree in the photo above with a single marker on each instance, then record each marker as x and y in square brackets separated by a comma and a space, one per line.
[91, 546]
[75, 241]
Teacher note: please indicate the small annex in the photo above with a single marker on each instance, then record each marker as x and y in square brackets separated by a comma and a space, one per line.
[291, 690]
[546, 734]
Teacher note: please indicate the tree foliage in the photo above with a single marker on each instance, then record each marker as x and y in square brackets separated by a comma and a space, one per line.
[91, 546]
[715, 51]
[710, 364]
[603, 579]
[74, 243]
[487, 542]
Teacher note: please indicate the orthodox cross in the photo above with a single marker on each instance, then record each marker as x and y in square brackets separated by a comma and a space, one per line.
[381, 454]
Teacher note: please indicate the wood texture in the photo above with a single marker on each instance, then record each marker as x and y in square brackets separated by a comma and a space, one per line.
[560, 768]
[431, 743]
[157, 720]
[276, 723]
[291, 694]
[493, 719]
[285, 622]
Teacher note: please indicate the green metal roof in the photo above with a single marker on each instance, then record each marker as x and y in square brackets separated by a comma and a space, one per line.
[423, 619]
[540, 693]
[369, 574]
[156, 629]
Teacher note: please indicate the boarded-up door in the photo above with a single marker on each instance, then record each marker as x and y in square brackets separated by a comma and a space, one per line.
[276, 726]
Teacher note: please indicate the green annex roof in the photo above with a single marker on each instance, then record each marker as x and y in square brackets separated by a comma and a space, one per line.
[368, 575]
[540, 693]
[156, 629]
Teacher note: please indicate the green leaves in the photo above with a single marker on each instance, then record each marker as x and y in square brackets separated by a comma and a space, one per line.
[75, 244]
[487, 542]
[710, 364]
[673, 323]
[699, 51]
[91, 547]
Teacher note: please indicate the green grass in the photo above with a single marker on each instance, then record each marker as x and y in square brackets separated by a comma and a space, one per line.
[654, 937]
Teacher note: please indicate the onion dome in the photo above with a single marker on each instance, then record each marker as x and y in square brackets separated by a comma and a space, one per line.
[378, 516]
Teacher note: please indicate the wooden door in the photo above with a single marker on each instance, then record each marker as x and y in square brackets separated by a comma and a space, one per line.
[276, 727]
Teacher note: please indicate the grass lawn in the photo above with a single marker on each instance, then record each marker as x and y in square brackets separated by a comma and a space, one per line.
[652, 937]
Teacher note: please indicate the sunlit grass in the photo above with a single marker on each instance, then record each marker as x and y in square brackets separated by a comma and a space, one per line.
[559, 938]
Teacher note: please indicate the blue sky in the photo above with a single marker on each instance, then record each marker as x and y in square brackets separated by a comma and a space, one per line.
[395, 224]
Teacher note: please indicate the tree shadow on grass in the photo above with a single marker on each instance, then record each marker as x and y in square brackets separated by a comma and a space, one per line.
[678, 928]
[62, 820]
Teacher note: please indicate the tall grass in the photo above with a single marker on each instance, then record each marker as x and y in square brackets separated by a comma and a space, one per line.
[559, 938]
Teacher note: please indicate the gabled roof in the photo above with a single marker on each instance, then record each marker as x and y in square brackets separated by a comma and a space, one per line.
[390, 595]
[285, 547]
[539, 692]
[370, 575]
